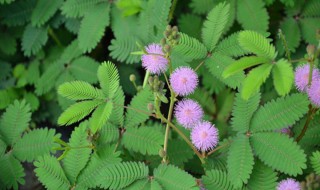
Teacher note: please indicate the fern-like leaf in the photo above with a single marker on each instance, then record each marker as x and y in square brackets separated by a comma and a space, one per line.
[116, 116]
[146, 140]
[189, 24]
[179, 152]
[242, 64]
[76, 160]
[79, 90]
[291, 31]
[50, 173]
[279, 152]
[78, 8]
[145, 184]
[213, 28]
[118, 176]
[12, 172]
[71, 52]
[254, 80]
[84, 68]
[230, 47]
[109, 78]
[121, 48]
[283, 77]
[100, 116]
[311, 9]
[78, 111]
[315, 162]
[201, 6]
[43, 11]
[138, 109]
[240, 161]
[35, 143]
[309, 28]
[243, 111]
[14, 121]
[171, 177]
[17, 13]
[254, 42]
[280, 113]
[217, 64]
[33, 40]
[252, 15]
[216, 179]
[93, 26]
[190, 47]
[108, 134]
[262, 177]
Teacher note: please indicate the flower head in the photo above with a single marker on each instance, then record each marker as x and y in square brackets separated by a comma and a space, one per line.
[154, 61]
[302, 77]
[314, 92]
[288, 184]
[204, 136]
[184, 81]
[188, 113]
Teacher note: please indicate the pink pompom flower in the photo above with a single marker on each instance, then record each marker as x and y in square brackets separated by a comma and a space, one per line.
[302, 77]
[288, 184]
[154, 61]
[184, 81]
[204, 136]
[188, 113]
[314, 92]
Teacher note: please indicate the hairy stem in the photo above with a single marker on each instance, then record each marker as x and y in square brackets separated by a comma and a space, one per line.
[54, 37]
[165, 144]
[173, 7]
[285, 45]
[146, 77]
[311, 113]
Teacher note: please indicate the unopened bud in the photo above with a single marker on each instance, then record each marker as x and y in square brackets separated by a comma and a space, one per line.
[163, 41]
[150, 107]
[167, 48]
[310, 49]
[162, 153]
[150, 80]
[168, 28]
[175, 29]
[132, 77]
[167, 34]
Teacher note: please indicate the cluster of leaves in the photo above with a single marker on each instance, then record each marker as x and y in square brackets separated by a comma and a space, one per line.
[50, 57]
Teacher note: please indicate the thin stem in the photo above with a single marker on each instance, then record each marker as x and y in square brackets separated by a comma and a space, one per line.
[311, 112]
[146, 77]
[218, 148]
[173, 7]
[135, 85]
[54, 37]
[200, 64]
[285, 44]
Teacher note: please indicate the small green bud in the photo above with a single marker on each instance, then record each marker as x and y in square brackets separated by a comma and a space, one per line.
[150, 80]
[166, 34]
[311, 49]
[162, 153]
[168, 28]
[132, 78]
[163, 41]
[175, 29]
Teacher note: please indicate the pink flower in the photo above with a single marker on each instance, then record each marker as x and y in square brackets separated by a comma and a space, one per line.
[204, 136]
[288, 184]
[184, 81]
[188, 113]
[302, 77]
[154, 61]
[314, 92]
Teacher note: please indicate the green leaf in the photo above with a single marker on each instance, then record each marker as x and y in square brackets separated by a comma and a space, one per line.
[190, 47]
[171, 177]
[315, 162]
[93, 25]
[145, 184]
[311, 9]
[33, 40]
[256, 43]
[243, 111]
[50, 173]
[283, 77]
[280, 113]
[213, 28]
[79, 90]
[84, 68]
[75, 159]
[231, 47]
[8, 44]
[179, 152]
[100, 116]
[309, 27]
[291, 31]
[279, 152]
[12, 172]
[109, 133]
[242, 64]
[35, 143]
[138, 112]
[14, 121]
[78, 111]
[109, 78]
[118, 176]
[3, 147]
[252, 15]
[146, 140]
[78, 8]
[216, 179]
[262, 177]
[71, 52]
[254, 80]
[43, 11]
[190, 24]
[116, 116]
[240, 161]
[217, 64]
[18, 13]
[201, 6]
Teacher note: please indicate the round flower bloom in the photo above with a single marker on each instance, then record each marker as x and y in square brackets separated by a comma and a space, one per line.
[188, 113]
[302, 76]
[154, 61]
[184, 81]
[314, 92]
[204, 136]
[288, 184]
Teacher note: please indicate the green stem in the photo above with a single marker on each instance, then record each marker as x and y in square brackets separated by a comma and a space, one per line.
[173, 7]
[54, 37]
[311, 113]
[285, 44]
[146, 77]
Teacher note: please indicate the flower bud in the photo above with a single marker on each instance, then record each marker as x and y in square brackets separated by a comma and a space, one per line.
[162, 153]
[132, 78]
[150, 107]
